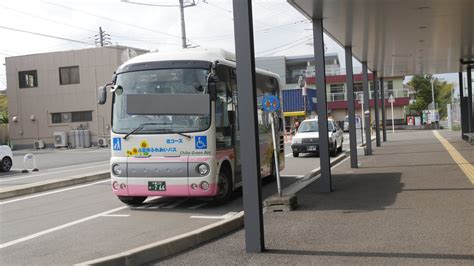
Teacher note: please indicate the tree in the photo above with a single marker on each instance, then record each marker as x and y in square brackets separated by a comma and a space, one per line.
[422, 85]
[3, 109]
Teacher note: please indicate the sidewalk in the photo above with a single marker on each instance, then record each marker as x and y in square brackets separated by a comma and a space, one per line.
[409, 203]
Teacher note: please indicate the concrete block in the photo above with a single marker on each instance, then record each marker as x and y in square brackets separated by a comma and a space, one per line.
[284, 203]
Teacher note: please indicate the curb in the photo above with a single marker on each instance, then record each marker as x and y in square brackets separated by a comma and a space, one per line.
[21, 190]
[165, 248]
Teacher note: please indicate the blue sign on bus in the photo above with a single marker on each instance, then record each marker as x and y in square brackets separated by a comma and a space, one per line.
[270, 103]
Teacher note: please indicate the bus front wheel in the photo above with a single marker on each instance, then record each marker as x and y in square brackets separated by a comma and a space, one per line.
[224, 187]
[132, 201]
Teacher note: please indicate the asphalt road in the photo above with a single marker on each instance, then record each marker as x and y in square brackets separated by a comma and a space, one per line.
[55, 158]
[53, 164]
[86, 222]
[306, 162]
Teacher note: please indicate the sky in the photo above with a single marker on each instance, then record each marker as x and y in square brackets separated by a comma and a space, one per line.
[39, 26]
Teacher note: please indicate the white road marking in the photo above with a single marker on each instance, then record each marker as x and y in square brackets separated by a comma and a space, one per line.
[57, 228]
[50, 173]
[225, 216]
[176, 204]
[116, 215]
[54, 192]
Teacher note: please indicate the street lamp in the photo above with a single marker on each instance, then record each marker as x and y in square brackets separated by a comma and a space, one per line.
[391, 100]
[362, 117]
[302, 84]
[433, 102]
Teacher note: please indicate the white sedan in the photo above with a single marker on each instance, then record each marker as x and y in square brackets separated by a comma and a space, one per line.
[6, 155]
[306, 139]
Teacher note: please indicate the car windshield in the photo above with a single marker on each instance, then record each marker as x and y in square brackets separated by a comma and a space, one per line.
[312, 126]
[159, 81]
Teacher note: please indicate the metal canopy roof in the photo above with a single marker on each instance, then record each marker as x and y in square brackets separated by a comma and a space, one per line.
[399, 37]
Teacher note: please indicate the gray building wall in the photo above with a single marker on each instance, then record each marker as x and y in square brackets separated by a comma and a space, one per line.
[96, 67]
[275, 64]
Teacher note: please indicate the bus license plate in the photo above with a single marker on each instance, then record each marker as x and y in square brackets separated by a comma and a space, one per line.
[312, 148]
[156, 185]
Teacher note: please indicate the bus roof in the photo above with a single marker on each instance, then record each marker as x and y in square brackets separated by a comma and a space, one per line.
[197, 54]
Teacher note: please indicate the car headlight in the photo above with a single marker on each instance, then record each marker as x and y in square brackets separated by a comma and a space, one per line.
[203, 169]
[297, 140]
[116, 169]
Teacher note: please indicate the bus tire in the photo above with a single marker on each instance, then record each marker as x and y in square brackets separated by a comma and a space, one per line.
[224, 186]
[272, 176]
[6, 164]
[132, 201]
[340, 148]
[296, 154]
[333, 151]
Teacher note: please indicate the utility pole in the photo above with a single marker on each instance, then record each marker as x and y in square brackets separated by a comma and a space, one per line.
[182, 6]
[101, 37]
[183, 26]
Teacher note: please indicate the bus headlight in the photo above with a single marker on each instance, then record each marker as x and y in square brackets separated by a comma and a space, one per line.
[116, 169]
[203, 169]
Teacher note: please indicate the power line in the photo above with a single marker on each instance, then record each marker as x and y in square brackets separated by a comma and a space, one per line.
[48, 19]
[292, 44]
[46, 35]
[216, 6]
[111, 19]
[146, 4]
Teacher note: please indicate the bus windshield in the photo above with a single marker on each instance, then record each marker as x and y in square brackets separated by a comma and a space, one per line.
[159, 81]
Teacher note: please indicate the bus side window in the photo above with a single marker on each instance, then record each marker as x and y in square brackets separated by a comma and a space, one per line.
[223, 127]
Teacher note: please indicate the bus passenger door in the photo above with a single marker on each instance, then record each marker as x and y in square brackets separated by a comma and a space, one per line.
[225, 116]
[235, 127]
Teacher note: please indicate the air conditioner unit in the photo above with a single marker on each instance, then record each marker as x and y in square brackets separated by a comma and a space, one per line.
[102, 142]
[38, 144]
[60, 139]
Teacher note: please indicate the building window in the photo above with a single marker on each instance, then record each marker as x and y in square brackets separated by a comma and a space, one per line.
[68, 117]
[389, 90]
[337, 92]
[358, 87]
[28, 79]
[69, 75]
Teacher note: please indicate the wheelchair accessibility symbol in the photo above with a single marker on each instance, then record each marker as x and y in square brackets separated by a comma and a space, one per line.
[200, 142]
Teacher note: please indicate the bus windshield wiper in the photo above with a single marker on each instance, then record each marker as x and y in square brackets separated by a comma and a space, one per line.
[140, 127]
[179, 133]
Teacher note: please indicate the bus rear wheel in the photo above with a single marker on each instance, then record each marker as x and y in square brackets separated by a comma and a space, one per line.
[132, 201]
[224, 187]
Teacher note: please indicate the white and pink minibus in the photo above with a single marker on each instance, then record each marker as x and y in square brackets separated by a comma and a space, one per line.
[175, 126]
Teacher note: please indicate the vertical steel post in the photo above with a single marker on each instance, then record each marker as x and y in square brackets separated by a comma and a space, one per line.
[470, 115]
[351, 106]
[376, 109]
[184, 45]
[249, 143]
[365, 78]
[461, 105]
[384, 112]
[325, 179]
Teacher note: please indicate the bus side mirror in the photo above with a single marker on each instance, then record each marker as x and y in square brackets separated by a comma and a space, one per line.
[212, 89]
[230, 116]
[101, 95]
